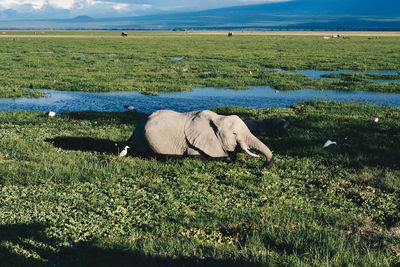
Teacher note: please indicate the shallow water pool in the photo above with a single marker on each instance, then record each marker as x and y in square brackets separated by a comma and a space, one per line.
[197, 99]
[176, 58]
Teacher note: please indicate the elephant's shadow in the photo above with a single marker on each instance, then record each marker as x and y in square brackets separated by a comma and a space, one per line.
[115, 147]
[87, 144]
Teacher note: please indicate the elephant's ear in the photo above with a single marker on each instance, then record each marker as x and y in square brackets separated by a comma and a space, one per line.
[201, 132]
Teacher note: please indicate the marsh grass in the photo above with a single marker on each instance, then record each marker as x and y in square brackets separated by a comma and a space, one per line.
[66, 200]
[9, 92]
[144, 63]
[363, 77]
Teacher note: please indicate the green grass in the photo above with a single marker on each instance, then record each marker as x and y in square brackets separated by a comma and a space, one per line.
[66, 200]
[363, 77]
[144, 63]
[8, 92]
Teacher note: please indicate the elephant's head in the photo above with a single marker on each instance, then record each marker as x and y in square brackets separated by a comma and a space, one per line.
[217, 136]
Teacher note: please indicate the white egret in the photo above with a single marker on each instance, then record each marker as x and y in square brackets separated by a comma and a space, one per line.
[328, 143]
[124, 152]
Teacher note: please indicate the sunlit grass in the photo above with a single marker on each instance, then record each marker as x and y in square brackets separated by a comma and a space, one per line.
[9, 92]
[144, 63]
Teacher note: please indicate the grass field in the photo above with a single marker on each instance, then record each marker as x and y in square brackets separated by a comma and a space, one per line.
[81, 61]
[66, 200]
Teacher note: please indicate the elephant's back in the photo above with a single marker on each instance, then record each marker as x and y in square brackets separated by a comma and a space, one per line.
[164, 132]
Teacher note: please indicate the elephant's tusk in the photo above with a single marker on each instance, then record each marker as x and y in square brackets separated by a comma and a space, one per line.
[251, 154]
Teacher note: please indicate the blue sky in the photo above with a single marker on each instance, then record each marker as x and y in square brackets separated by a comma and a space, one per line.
[42, 9]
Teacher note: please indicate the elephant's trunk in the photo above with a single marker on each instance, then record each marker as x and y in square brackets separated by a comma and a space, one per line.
[254, 143]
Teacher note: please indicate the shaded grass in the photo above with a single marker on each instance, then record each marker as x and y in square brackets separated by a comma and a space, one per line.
[69, 201]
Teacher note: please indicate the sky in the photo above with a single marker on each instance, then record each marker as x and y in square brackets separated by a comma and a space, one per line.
[46, 9]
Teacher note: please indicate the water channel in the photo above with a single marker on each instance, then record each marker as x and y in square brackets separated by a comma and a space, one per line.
[197, 99]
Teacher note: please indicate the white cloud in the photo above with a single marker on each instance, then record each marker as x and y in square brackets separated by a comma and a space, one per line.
[92, 2]
[120, 6]
[61, 4]
[10, 4]
[112, 8]
[65, 4]
[144, 7]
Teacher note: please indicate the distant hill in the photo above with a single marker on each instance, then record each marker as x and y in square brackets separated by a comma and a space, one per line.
[82, 18]
[298, 14]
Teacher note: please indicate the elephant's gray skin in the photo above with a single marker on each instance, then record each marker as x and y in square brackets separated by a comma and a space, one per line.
[205, 133]
[276, 126]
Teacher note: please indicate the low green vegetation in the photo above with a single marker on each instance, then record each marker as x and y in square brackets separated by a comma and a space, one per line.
[8, 92]
[66, 199]
[83, 61]
[363, 77]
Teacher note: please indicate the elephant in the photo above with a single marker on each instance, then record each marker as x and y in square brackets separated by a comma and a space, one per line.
[124, 34]
[276, 126]
[197, 133]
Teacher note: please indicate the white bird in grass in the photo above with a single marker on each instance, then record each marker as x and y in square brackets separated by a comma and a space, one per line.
[376, 120]
[130, 108]
[328, 143]
[51, 113]
[124, 152]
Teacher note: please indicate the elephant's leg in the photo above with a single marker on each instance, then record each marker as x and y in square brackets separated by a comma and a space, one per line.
[192, 152]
